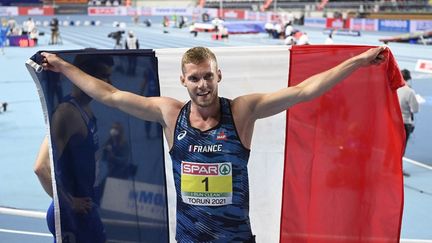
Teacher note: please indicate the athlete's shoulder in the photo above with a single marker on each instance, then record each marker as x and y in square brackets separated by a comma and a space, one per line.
[245, 103]
[66, 112]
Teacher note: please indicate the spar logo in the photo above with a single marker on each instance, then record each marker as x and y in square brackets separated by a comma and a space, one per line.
[206, 169]
[225, 169]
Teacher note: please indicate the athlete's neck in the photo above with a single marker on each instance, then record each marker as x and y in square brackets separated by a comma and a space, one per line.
[204, 118]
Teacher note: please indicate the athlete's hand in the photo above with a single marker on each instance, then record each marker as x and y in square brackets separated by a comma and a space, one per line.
[373, 56]
[52, 62]
[81, 205]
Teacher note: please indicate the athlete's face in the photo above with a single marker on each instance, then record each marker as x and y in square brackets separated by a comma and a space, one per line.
[201, 81]
[103, 72]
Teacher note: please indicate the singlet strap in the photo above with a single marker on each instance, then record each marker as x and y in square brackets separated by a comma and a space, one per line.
[83, 113]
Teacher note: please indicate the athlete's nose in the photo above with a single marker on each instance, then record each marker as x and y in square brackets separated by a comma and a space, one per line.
[202, 83]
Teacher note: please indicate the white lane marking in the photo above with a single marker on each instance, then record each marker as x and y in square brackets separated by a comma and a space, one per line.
[24, 213]
[21, 232]
[420, 164]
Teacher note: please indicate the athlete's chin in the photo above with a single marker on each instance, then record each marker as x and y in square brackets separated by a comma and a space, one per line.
[204, 104]
[205, 101]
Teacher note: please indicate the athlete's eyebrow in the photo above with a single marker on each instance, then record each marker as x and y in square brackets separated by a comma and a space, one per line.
[208, 76]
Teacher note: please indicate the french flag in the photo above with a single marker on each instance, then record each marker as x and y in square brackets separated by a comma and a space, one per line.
[327, 170]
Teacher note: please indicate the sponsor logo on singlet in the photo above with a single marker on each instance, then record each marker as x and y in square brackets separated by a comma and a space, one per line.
[221, 136]
[181, 135]
[206, 184]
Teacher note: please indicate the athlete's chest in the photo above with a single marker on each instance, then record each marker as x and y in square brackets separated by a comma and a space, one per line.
[217, 140]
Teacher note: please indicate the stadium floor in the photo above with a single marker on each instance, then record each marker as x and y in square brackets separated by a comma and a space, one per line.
[22, 127]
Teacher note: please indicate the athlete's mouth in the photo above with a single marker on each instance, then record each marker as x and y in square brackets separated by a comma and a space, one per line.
[203, 93]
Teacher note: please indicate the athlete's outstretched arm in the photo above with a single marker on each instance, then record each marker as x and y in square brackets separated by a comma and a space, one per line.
[150, 108]
[264, 105]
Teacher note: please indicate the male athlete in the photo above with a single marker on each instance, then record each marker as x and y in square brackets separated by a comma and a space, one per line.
[209, 136]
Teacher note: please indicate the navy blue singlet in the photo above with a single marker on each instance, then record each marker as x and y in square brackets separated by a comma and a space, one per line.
[76, 170]
[211, 179]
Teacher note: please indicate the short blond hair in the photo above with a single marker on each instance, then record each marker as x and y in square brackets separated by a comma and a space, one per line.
[197, 55]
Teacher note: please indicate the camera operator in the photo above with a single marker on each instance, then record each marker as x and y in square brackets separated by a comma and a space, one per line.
[54, 24]
[117, 36]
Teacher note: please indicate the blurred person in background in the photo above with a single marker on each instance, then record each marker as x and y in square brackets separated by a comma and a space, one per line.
[303, 39]
[117, 36]
[13, 26]
[54, 25]
[182, 21]
[277, 32]
[28, 26]
[269, 28]
[148, 22]
[135, 19]
[192, 30]
[116, 152]
[289, 41]
[329, 39]
[409, 105]
[4, 30]
[3, 106]
[165, 24]
[288, 29]
[131, 43]
[34, 34]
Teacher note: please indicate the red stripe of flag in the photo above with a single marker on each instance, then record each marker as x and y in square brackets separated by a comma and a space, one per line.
[343, 178]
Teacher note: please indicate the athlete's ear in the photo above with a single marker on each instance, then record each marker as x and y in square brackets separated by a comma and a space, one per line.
[182, 80]
[219, 73]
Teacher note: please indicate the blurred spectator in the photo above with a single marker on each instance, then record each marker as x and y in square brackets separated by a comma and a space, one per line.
[131, 43]
[217, 23]
[329, 39]
[182, 22]
[4, 30]
[192, 30]
[54, 24]
[165, 24]
[409, 106]
[135, 19]
[34, 34]
[289, 41]
[13, 26]
[223, 31]
[166, 21]
[288, 29]
[3, 106]
[303, 39]
[28, 26]
[269, 28]
[116, 152]
[147, 22]
[277, 33]
[117, 36]
[205, 17]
